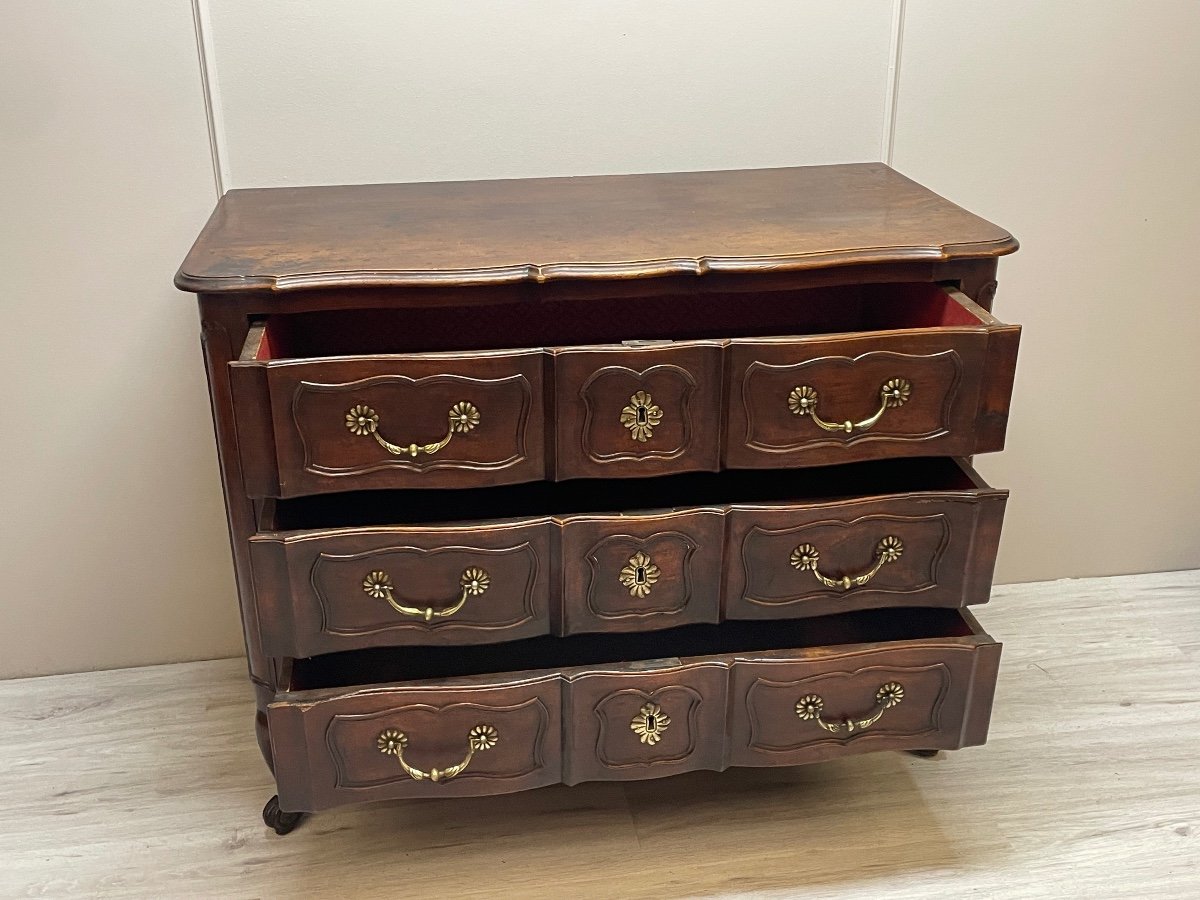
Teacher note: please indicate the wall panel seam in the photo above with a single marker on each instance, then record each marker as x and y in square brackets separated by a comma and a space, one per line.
[208, 82]
[891, 100]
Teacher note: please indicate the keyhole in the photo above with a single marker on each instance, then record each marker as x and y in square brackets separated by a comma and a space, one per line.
[641, 415]
[651, 723]
[639, 575]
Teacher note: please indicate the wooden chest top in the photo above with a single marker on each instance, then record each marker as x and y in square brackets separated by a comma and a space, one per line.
[584, 228]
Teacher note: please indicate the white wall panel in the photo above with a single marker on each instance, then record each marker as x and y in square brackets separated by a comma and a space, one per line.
[113, 548]
[1077, 127]
[399, 90]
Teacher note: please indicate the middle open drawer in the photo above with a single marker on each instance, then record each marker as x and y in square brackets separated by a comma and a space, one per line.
[335, 572]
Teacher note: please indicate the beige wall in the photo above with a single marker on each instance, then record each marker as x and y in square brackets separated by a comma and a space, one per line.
[113, 550]
[1078, 133]
[1081, 134]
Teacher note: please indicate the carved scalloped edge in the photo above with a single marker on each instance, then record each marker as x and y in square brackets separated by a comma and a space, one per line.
[593, 271]
[641, 543]
[640, 377]
[817, 589]
[821, 439]
[343, 783]
[326, 602]
[396, 462]
[693, 714]
[934, 712]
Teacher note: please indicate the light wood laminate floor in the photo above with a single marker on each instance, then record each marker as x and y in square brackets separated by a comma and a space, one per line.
[148, 783]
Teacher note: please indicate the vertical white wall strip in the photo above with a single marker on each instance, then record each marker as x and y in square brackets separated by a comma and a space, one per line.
[892, 99]
[212, 110]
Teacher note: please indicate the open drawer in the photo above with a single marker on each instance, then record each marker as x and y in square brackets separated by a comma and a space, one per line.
[429, 420]
[435, 722]
[347, 571]
[503, 393]
[929, 374]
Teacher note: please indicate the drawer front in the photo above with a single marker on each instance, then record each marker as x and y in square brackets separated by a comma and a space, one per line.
[325, 592]
[822, 401]
[468, 420]
[628, 413]
[416, 742]
[935, 549]
[634, 724]
[858, 683]
[789, 711]
[636, 573]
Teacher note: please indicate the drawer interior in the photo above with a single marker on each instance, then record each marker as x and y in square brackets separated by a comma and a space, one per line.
[513, 325]
[387, 664]
[424, 506]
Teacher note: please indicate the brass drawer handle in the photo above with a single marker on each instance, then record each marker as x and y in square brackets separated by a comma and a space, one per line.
[805, 558]
[393, 742]
[810, 707]
[378, 584]
[894, 392]
[362, 420]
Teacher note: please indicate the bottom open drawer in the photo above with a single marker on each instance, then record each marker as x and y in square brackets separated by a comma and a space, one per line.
[464, 721]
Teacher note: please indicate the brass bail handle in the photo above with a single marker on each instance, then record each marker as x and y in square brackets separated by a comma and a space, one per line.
[362, 420]
[393, 743]
[805, 557]
[473, 582]
[893, 393]
[810, 708]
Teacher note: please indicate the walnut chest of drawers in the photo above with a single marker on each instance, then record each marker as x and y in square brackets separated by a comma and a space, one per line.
[618, 477]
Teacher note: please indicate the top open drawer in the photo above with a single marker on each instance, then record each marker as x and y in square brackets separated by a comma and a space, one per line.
[438, 397]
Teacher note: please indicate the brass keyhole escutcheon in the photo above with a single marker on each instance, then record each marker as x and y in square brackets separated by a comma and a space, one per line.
[641, 417]
[639, 575]
[650, 723]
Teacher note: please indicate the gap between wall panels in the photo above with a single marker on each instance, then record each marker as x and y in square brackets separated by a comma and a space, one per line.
[891, 100]
[212, 99]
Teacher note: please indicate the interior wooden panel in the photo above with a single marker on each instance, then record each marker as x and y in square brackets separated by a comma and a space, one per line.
[379, 665]
[583, 496]
[519, 324]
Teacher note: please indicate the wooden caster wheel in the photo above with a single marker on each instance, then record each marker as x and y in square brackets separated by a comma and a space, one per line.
[282, 822]
[925, 754]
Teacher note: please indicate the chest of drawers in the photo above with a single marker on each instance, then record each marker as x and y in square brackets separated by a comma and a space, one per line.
[613, 477]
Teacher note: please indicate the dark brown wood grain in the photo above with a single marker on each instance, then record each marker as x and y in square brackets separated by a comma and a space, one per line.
[327, 752]
[710, 398]
[549, 304]
[600, 227]
[949, 543]
[562, 574]
[601, 745]
[411, 397]
[309, 586]
[685, 547]
[938, 679]
[727, 708]
[594, 386]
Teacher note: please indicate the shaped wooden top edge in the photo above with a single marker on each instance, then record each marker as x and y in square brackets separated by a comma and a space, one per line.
[479, 233]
